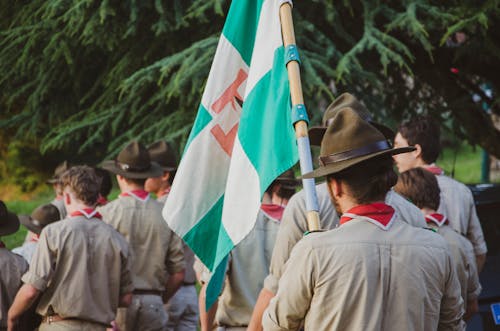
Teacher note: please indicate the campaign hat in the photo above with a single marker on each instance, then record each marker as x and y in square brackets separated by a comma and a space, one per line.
[133, 162]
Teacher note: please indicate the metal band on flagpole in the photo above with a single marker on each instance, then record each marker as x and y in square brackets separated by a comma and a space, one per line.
[299, 114]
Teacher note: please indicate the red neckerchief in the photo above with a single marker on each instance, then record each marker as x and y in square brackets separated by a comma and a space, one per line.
[434, 169]
[34, 237]
[272, 211]
[140, 195]
[437, 219]
[101, 201]
[163, 193]
[2, 245]
[86, 212]
[377, 213]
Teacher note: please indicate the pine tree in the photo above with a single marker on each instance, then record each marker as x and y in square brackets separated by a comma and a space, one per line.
[91, 75]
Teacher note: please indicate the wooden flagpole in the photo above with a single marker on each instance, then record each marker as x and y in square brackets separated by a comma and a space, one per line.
[299, 114]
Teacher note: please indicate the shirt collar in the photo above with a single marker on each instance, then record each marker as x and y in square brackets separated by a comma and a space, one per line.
[434, 169]
[437, 219]
[272, 211]
[140, 195]
[87, 213]
[34, 237]
[377, 213]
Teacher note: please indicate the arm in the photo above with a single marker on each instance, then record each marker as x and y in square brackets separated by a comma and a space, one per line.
[473, 285]
[263, 300]
[288, 309]
[452, 304]
[480, 261]
[24, 299]
[476, 236]
[207, 317]
[174, 282]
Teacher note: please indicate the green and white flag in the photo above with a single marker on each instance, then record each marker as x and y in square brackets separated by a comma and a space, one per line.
[242, 138]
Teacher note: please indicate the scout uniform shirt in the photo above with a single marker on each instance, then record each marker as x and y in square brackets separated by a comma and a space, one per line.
[373, 272]
[463, 256]
[156, 251]
[294, 225]
[247, 268]
[457, 204]
[12, 267]
[59, 204]
[81, 266]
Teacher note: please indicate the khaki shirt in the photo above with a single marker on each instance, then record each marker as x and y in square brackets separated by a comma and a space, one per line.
[360, 277]
[464, 260]
[294, 225]
[189, 274]
[82, 267]
[156, 251]
[12, 267]
[248, 266]
[457, 204]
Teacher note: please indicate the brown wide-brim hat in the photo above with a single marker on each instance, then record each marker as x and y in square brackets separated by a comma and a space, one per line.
[9, 223]
[316, 133]
[350, 140]
[60, 169]
[40, 217]
[162, 153]
[287, 180]
[133, 162]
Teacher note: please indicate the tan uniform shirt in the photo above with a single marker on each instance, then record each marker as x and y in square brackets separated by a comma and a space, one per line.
[464, 260]
[12, 267]
[156, 251]
[457, 204]
[294, 225]
[82, 267]
[360, 277]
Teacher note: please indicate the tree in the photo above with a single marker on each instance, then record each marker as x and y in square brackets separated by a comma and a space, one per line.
[95, 74]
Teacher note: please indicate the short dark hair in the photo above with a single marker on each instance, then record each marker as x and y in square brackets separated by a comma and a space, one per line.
[420, 187]
[283, 191]
[84, 183]
[425, 131]
[370, 180]
[136, 181]
[106, 183]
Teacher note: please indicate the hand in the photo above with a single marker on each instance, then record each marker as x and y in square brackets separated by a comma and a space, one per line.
[11, 324]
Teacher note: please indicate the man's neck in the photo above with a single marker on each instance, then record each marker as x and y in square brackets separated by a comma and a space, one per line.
[428, 211]
[162, 189]
[76, 206]
[127, 187]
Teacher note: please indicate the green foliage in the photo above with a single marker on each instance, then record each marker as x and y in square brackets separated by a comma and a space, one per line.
[86, 76]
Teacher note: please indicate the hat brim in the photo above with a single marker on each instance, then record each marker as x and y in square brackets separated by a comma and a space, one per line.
[154, 171]
[52, 181]
[342, 165]
[11, 226]
[168, 168]
[27, 221]
[316, 134]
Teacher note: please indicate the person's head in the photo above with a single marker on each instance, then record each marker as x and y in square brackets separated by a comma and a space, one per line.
[81, 187]
[420, 187]
[9, 223]
[362, 183]
[106, 183]
[346, 100]
[422, 132]
[55, 180]
[40, 217]
[283, 187]
[133, 166]
[163, 154]
[356, 158]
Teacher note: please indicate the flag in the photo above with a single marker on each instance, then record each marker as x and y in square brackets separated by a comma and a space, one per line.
[242, 138]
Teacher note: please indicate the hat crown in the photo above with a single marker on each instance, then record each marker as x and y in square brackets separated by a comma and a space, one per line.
[345, 100]
[348, 131]
[162, 153]
[134, 157]
[46, 214]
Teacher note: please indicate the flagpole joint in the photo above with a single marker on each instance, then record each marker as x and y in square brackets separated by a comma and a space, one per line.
[292, 54]
[299, 113]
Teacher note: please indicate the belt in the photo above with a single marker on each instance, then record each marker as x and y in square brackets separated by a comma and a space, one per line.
[188, 283]
[57, 318]
[147, 292]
